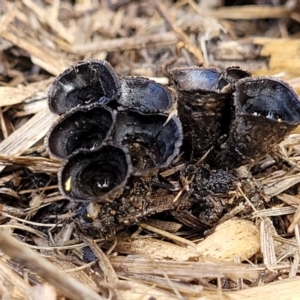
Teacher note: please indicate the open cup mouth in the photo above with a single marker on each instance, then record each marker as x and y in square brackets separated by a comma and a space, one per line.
[198, 79]
[203, 104]
[81, 128]
[85, 83]
[267, 97]
[264, 111]
[146, 96]
[153, 141]
[95, 175]
[233, 74]
[98, 138]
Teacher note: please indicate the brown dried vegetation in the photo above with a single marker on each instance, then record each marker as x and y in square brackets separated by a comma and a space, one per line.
[250, 249]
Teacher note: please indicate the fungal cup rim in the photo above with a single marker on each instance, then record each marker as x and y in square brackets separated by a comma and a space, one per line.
[68, 114]
[107, 196]
[239, 106]
[72, 68]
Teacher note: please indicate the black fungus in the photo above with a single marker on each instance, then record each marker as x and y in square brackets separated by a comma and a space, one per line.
[203, 95]
[82, 128]
[145, 96]
[226, 119]
[84, 83]
[265, 110]
[95, 175]
[233, 74]
[153, 141]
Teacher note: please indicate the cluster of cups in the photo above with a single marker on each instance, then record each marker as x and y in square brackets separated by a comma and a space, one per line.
[111, 127]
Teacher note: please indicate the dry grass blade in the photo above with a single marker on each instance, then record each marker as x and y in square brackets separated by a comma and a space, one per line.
[289, 199]
[12, 210]
[168, 235]
[281, 185]
[15, 95]
[274, 211]
[68, 285]
[45, 17]
[185, 288]
[295, 220]
[251, 12]
[155, 249]
[278, 62]
[22, 227]
[180, 269]
[28, 134]
[188, 44]
[45, 58]
[104, 262]
[168, 226]
[138, 42]
[295, 265]
[38, 164]
[8, 275]
[267, 242]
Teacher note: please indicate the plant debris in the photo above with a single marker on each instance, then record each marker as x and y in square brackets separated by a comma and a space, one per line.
[161, 238]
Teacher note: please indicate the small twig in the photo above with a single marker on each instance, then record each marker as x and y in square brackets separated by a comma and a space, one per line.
[248, 201]
[115, 5]
[23, 227]
[28, 222]
[105, 264]
[168, 235]
[173, 287]
[85, 266]
[3, 125]
[106, 267]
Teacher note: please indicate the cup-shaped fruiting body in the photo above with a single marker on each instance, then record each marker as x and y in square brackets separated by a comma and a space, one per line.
[87, 82]
[265, 111]
[198, 79]
[81, 128]
[152, 140]
[95, 175]
[203, 94]
[146, 96]
[233, 74]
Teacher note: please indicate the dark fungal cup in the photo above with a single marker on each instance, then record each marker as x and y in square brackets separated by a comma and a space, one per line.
[233, 74]
[265, 111]
[151, 141]
[95, 175]
[231, 116]
[81, 128]
[203, 95]
[202, 80]
[87, 82]
[145, 95]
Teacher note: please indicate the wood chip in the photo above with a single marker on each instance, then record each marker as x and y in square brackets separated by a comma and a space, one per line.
[235, 237]
[156, 249]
